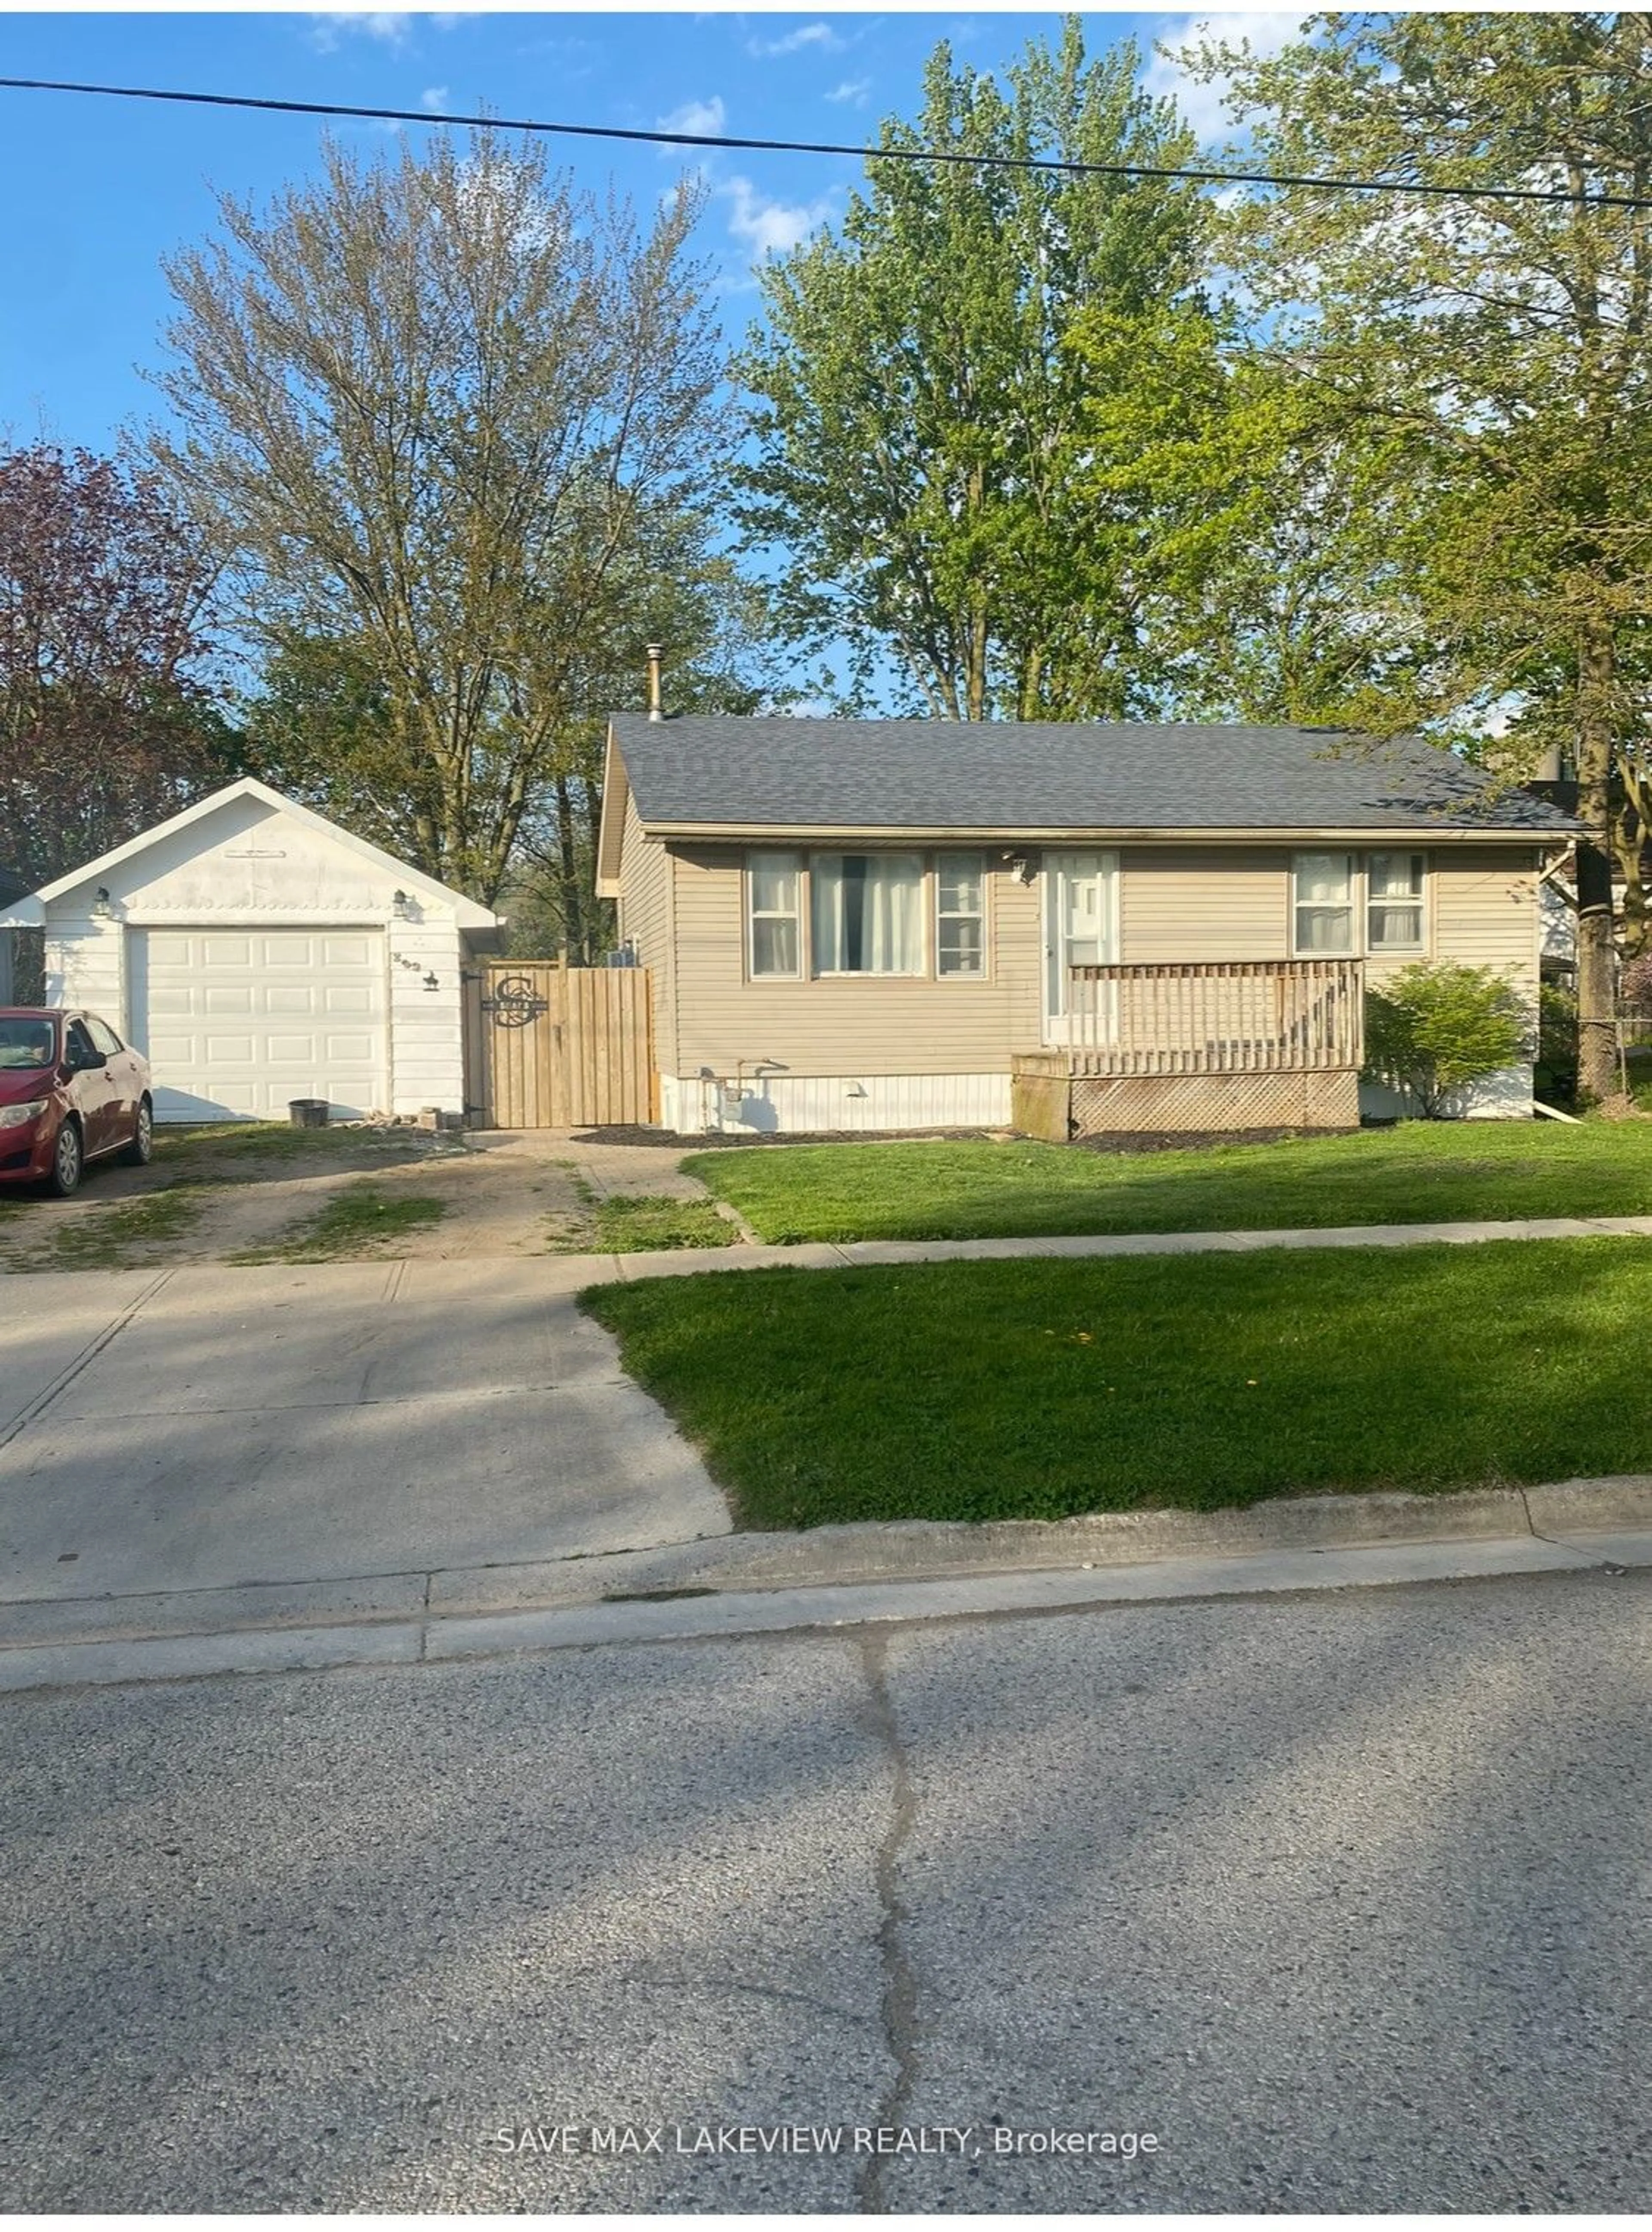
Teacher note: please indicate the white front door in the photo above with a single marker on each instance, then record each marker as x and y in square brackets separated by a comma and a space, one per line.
[1080, 924]
[239, 1021]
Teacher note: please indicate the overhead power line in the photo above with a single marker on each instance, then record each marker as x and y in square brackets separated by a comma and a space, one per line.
[663, 138]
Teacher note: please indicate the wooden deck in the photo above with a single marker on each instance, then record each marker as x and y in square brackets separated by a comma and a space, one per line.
[1199, 1046]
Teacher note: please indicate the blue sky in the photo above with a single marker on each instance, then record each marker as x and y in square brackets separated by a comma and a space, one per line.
[97, 192]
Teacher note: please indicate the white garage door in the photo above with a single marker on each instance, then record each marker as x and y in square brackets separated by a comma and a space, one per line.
[238, 1022]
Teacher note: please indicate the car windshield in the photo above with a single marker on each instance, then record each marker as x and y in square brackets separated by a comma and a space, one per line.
[27, 1042]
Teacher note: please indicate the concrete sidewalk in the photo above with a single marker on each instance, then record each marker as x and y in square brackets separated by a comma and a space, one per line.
[823, 1254]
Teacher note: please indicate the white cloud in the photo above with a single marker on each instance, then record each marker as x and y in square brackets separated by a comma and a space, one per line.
[769, 228]
[852, 91]
[704, 119]
[391, 28]
[819, 36]
[435, 98]
[1201, 100]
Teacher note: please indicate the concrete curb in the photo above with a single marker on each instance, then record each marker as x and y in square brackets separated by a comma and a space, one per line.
[270, 1625]
[726, 1614]
[923, 1549]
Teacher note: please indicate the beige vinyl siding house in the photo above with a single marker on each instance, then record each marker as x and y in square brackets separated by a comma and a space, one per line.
[757, 1029]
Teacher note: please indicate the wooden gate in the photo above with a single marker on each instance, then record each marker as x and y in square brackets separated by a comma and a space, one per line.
[550, 1048]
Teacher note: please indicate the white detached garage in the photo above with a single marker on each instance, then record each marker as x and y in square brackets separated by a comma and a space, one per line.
[259, 954]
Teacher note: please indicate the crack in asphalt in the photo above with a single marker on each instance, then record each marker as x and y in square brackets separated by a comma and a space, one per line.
[899, 2002]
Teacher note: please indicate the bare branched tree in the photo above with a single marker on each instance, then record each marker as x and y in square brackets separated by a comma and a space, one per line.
[429, 404]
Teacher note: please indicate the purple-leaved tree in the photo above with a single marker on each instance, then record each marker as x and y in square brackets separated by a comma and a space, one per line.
[106, 720]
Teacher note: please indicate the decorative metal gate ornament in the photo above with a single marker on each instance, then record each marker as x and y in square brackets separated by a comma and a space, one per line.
[514, 1003]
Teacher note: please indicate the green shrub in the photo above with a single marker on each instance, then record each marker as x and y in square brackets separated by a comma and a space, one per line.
[1556, 1078]
[1436, 1027]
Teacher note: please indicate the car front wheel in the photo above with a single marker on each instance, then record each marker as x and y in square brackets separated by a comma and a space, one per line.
[141, 1144]
[69, 1160]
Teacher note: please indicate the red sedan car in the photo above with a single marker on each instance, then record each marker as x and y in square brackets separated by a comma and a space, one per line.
[70, 1091]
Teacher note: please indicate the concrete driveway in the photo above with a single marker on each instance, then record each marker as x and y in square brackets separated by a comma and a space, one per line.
[205, 1428]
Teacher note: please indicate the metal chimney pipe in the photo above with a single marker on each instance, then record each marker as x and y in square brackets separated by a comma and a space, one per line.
[656, 686]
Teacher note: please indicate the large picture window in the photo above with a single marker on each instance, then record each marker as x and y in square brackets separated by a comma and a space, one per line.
[867, 914]
[961, 914]
[1324, 902]
[772, 884]
[1394, 902]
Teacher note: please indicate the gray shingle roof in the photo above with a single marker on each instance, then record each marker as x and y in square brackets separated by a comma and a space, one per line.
[1001, 776]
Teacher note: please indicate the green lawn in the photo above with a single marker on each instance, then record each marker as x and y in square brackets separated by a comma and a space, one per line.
[625, 1224]
[965, 1189]
[1035, 1390]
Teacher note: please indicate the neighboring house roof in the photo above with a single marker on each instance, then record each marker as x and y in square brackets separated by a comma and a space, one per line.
[726, 772]
[468, 915]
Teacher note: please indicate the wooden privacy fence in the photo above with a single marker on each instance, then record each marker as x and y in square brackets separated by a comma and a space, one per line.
[549, 1048]
[1216, 1018]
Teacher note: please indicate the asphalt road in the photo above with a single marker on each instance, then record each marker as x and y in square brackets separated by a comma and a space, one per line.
[1342, 1899]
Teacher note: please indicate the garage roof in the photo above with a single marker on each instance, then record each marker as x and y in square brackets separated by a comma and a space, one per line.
[468, 914]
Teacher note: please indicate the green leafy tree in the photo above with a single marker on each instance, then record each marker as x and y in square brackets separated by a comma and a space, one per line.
[321, 727]
[1268, 539]
[1438, 1027]
[688, 597]
[916, 405]
[1500, 354]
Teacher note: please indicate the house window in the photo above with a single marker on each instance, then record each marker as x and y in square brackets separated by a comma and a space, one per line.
[867, 914]
[1324, 902]
[1394, 902]
[774, 913]
[961, 914]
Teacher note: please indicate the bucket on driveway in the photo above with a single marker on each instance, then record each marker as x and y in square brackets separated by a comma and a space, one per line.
[307, 1115]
